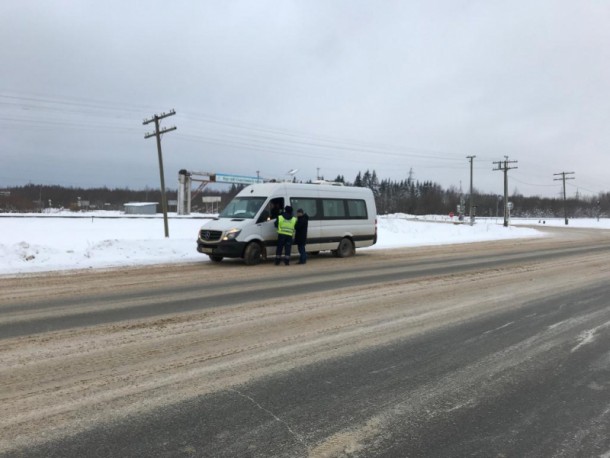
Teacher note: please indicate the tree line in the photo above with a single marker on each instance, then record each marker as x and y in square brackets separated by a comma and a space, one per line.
[32, 197]
[391, 196]
[426, 197]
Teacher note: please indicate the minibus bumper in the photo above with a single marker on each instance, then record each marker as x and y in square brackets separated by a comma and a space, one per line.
[227, 249]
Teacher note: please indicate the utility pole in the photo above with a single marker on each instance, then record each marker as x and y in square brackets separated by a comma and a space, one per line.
[504, 166]
[564, 178]
[157, 133]
[471, 197]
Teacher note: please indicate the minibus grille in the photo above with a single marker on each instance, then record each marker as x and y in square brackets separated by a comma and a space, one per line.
[210, 236]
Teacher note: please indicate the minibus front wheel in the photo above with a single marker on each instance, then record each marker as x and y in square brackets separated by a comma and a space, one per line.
[252, 253]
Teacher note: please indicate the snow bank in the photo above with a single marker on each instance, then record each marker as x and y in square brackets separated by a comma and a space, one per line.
[109, 239]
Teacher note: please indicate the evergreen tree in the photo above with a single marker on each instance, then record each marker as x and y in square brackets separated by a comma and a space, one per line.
[366, 179]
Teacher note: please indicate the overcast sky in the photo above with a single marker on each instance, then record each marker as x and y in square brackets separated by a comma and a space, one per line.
[340, 86]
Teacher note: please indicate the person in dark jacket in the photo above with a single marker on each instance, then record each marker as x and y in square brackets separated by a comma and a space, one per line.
[275, 209]
[285, 224]
[300, 237]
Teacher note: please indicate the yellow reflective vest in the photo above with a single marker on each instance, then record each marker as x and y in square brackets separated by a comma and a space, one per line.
[286, 226]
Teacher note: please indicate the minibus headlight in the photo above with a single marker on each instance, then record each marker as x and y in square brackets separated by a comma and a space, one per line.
[231, 234]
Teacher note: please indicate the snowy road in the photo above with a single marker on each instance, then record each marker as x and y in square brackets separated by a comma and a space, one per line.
[490, 349]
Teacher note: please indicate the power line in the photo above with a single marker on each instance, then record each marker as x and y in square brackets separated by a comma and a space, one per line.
[533, 184]
[583, 188]
[76, 102]
[290, 146]
[249, 130]
[309, 138]
[116, 117]
[71, 124]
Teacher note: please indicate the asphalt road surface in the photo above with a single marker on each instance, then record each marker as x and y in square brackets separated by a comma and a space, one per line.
[494, 350]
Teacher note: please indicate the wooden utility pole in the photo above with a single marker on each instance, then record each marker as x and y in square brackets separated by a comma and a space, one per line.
[504, 166]
[471, 191]
[157, 133]
[564, 178]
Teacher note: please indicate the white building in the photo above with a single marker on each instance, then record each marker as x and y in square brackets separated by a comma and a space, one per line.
[140, 208]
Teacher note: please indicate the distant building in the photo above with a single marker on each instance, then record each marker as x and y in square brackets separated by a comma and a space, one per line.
[211, 203]
[140, 208]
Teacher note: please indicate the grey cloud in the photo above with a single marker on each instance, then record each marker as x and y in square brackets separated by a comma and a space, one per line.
[263, 85]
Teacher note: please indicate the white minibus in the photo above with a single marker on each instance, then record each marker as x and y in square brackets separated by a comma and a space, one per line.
[341, 219]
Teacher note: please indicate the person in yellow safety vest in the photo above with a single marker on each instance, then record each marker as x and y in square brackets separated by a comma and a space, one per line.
[285, 232]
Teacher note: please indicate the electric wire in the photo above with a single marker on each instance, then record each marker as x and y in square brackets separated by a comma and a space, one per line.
[231, 133]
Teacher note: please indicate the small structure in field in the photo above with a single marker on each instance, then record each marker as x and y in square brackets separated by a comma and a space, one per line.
[140, 208]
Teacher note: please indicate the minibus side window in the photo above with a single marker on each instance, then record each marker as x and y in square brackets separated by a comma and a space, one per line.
[308, 204]
[333, 208]
[356, 209]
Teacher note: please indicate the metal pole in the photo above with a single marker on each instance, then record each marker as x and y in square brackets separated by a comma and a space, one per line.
[506, 193]
[565, 200]
[471, 192]
[505, 168]
[157, 134]
[163, 198]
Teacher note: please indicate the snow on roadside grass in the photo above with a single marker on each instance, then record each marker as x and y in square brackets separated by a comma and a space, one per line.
[56, 243]
[83, 241]
[402, 230]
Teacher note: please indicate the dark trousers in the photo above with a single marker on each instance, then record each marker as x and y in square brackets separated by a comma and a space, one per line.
[302, 253]
[284, 243]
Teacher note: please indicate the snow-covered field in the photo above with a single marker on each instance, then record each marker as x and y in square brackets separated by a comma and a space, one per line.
[106, 239]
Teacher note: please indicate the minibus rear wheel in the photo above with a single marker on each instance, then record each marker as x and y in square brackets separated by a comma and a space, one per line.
[252, 253]
[345, 248]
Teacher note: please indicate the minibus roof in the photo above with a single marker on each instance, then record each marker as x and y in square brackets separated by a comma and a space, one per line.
[268, 189]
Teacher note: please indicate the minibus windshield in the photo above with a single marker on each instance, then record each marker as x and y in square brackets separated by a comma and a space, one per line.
[243, 207]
